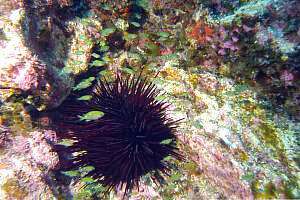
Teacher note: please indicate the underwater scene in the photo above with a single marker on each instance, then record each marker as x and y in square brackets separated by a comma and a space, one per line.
[149, 99]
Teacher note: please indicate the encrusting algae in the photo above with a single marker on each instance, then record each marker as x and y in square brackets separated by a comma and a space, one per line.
[229, 70]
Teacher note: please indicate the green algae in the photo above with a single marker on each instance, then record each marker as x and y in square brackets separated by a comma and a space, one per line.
[273, 137]
[288, 188]
[270, 136]
[291, 188]
[176, 185]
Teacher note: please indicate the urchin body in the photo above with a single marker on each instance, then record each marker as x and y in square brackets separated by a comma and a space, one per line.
[131, 139]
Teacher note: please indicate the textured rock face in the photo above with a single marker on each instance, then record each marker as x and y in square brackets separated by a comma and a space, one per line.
[25, 167]
[220, 63]
[218, 168]
[7, 6]
[24, 70]
[37, 41]
[39, 51]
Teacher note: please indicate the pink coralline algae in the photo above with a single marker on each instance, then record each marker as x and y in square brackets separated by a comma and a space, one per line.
[26, 75]
[227, 40]
[30, 160]
[287, 77]
[218, 168]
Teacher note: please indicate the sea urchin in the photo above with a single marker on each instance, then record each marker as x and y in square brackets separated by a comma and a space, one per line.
[132, 138]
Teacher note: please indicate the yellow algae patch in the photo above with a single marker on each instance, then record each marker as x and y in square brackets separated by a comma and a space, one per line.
[13, 190]
[17, 119]
[270, 136]
[224, 70]
[200, 100]
[241, 154]
[178, 91]
[80, 48]
[193, 80]
[171, 73]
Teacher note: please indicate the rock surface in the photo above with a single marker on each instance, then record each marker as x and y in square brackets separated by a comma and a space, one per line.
[230, 69]
[25, 167]
[36, 46]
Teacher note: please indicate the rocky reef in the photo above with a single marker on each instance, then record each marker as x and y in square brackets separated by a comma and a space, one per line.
[229, 69]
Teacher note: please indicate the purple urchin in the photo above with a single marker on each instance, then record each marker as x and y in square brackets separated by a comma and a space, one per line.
[131, 139]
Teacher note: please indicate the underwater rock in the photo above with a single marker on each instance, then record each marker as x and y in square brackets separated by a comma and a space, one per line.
[22, 70]
[218, 169]
[229, 69]
[7, 6]
[25, 168]
[260, 41]
[221, 141]
[5, 137]
[42, 53]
